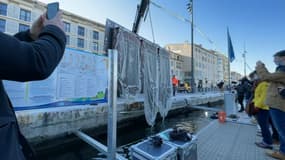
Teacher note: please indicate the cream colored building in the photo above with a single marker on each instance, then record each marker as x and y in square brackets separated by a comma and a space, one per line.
[235, 76]
[226, 69]
[176, 65]
[82, 33]
[222, 67]
[205, 63]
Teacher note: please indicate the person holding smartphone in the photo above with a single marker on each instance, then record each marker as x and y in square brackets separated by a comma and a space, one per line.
[274, 99]
[27, 56]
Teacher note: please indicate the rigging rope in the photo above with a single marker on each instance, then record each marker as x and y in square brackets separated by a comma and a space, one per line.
[184, 20]
[152, 31]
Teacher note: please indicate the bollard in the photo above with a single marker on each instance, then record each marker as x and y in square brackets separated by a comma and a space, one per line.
[222, 116]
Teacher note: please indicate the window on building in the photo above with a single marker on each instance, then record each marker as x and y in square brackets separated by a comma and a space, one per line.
[2, 25]
[66, 27]
[95, 35]
[178, 65]
[23, 27]
[67, 40]
[80, 43]
[95, 46]
[81, 31]
[176, 73]
[187, 74]
[3, 9]
[25, 15]
[178, 57]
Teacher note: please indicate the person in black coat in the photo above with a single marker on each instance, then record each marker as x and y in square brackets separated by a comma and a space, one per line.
[240, 88]
[27, 56]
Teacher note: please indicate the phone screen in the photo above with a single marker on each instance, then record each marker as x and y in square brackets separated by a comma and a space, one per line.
[52, 10]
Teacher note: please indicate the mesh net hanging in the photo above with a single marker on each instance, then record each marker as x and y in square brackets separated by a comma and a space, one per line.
[128, 47]
[165, 86]
[150, 71]
[142, 68]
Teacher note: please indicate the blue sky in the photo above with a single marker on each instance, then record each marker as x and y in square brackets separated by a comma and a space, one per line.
[257, 25]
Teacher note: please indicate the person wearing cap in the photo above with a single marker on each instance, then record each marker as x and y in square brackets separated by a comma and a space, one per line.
[274, 99]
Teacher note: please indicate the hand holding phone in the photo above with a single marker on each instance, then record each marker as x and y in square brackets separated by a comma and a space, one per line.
[36, 28]
[52, 9]
[53, 16]
[56, 21]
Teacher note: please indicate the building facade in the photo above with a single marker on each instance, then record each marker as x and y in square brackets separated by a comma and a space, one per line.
[222, 67]
[205, 63]
[226, 69]
[176, 65]
[81, 33]
[235, 76]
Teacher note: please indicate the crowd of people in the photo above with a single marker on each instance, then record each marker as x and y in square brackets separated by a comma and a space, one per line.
[264, 96]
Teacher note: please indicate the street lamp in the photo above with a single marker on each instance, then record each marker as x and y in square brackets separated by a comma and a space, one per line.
[190, 10]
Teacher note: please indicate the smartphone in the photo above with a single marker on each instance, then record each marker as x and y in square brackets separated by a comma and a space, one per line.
[52, 9]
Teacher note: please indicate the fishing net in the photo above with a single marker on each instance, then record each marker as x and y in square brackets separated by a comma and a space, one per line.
[150, 72]
[142, 69]
[165, 87]
[128, 47]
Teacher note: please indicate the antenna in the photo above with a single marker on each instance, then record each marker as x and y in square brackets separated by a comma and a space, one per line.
[244, 58]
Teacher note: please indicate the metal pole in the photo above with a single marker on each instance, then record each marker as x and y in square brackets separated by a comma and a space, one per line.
[244, 58]
[112, 101]
[95, 144]
[192, 49]
[229, 72]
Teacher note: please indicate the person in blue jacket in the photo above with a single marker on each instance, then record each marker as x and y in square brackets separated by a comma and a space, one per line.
[26, 56]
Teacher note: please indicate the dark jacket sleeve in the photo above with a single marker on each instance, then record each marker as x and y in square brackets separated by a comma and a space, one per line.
[24, 36]
[27, 61]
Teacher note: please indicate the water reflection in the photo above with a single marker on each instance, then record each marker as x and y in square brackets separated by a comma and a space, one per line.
[78, 150]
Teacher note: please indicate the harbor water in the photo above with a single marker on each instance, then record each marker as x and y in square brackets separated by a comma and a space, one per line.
[72, 148]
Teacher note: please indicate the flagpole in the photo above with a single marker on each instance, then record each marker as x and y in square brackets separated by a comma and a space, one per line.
[244, 58]
[229, 60]
[190, 9]
[229, 72]
[192, 49]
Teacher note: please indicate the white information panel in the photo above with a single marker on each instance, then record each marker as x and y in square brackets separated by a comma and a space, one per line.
[80, 78]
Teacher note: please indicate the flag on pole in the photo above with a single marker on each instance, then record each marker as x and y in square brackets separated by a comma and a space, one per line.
[231, 53]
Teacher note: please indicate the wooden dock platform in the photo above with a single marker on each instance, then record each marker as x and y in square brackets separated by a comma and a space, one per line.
[232, 140]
